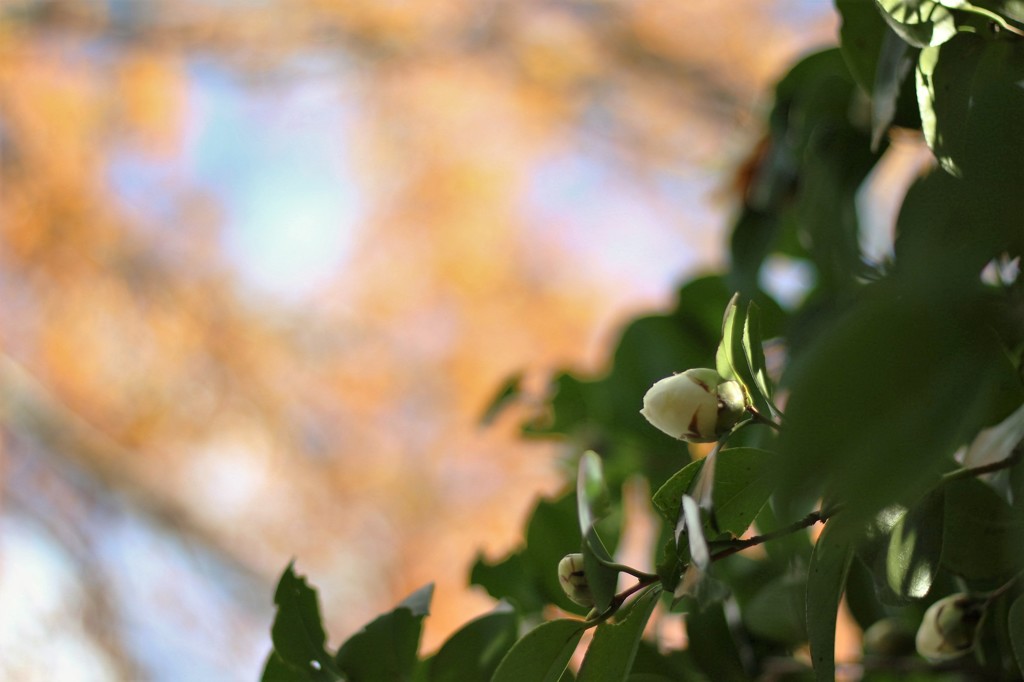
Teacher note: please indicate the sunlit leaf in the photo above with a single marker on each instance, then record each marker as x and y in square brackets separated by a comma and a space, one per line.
[542, 654]
[919, 22]
[915, 547]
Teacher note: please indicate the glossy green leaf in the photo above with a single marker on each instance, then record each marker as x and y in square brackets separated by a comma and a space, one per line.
[542, 654]
[610, 655]
[778, 611]
[915, 547]
[826, 577]
[297, 632]
[982, 533]
[1015, 627]
[385, 649]
[919, 22]
[667, 498]
[744, 480]
[476, 649]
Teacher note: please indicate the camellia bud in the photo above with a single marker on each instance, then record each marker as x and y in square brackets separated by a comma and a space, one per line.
[574, 580]
[698, 405]
[950, 627]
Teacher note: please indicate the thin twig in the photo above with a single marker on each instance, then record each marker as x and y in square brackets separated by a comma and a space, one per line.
[740, 545]
[959, 474]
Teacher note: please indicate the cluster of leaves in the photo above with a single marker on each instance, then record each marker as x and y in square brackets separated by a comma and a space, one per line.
[888, 370]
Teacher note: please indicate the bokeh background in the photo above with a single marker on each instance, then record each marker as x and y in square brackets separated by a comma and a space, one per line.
[263, 264]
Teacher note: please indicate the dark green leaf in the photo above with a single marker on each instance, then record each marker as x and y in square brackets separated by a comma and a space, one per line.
[277, 670]
[385, 649]
[1015, 625]
[826, 577]
[712, 645]
[508, 579]
[474, 652]
[856, 428]
[915, 547]
[743, 482]
[666, 499]
[860, 37]
[610, 655]
[778, 611]
[542, 654]
[982, 534]
[297, 633]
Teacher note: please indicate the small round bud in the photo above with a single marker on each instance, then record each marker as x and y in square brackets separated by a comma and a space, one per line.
[950, 627]
[698, 405]
[574, 580]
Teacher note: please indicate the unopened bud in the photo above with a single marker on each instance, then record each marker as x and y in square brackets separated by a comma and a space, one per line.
[698, 405]
[950, 627]
[574, 580]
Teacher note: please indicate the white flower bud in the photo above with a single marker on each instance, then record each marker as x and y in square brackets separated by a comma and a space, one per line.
[574, 580]
[698, 405]
[950, 627]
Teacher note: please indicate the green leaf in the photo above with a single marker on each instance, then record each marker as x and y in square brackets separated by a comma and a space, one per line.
[753, 351]
[1015, 625]
[591, 491]
[857, 431]
[915, 547]
[592, 504]
[778, 611]
[860, 36]
[826, 576]
[297, 633]
[385, 649]
[508, 579]
[730, 349]
[278, 670]
[895, 62]
[474, 652]
[982, 534]
[712, 644]
[610, 655]
[666, 499]
[542, 654]
[744, 480]
[919, 22]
